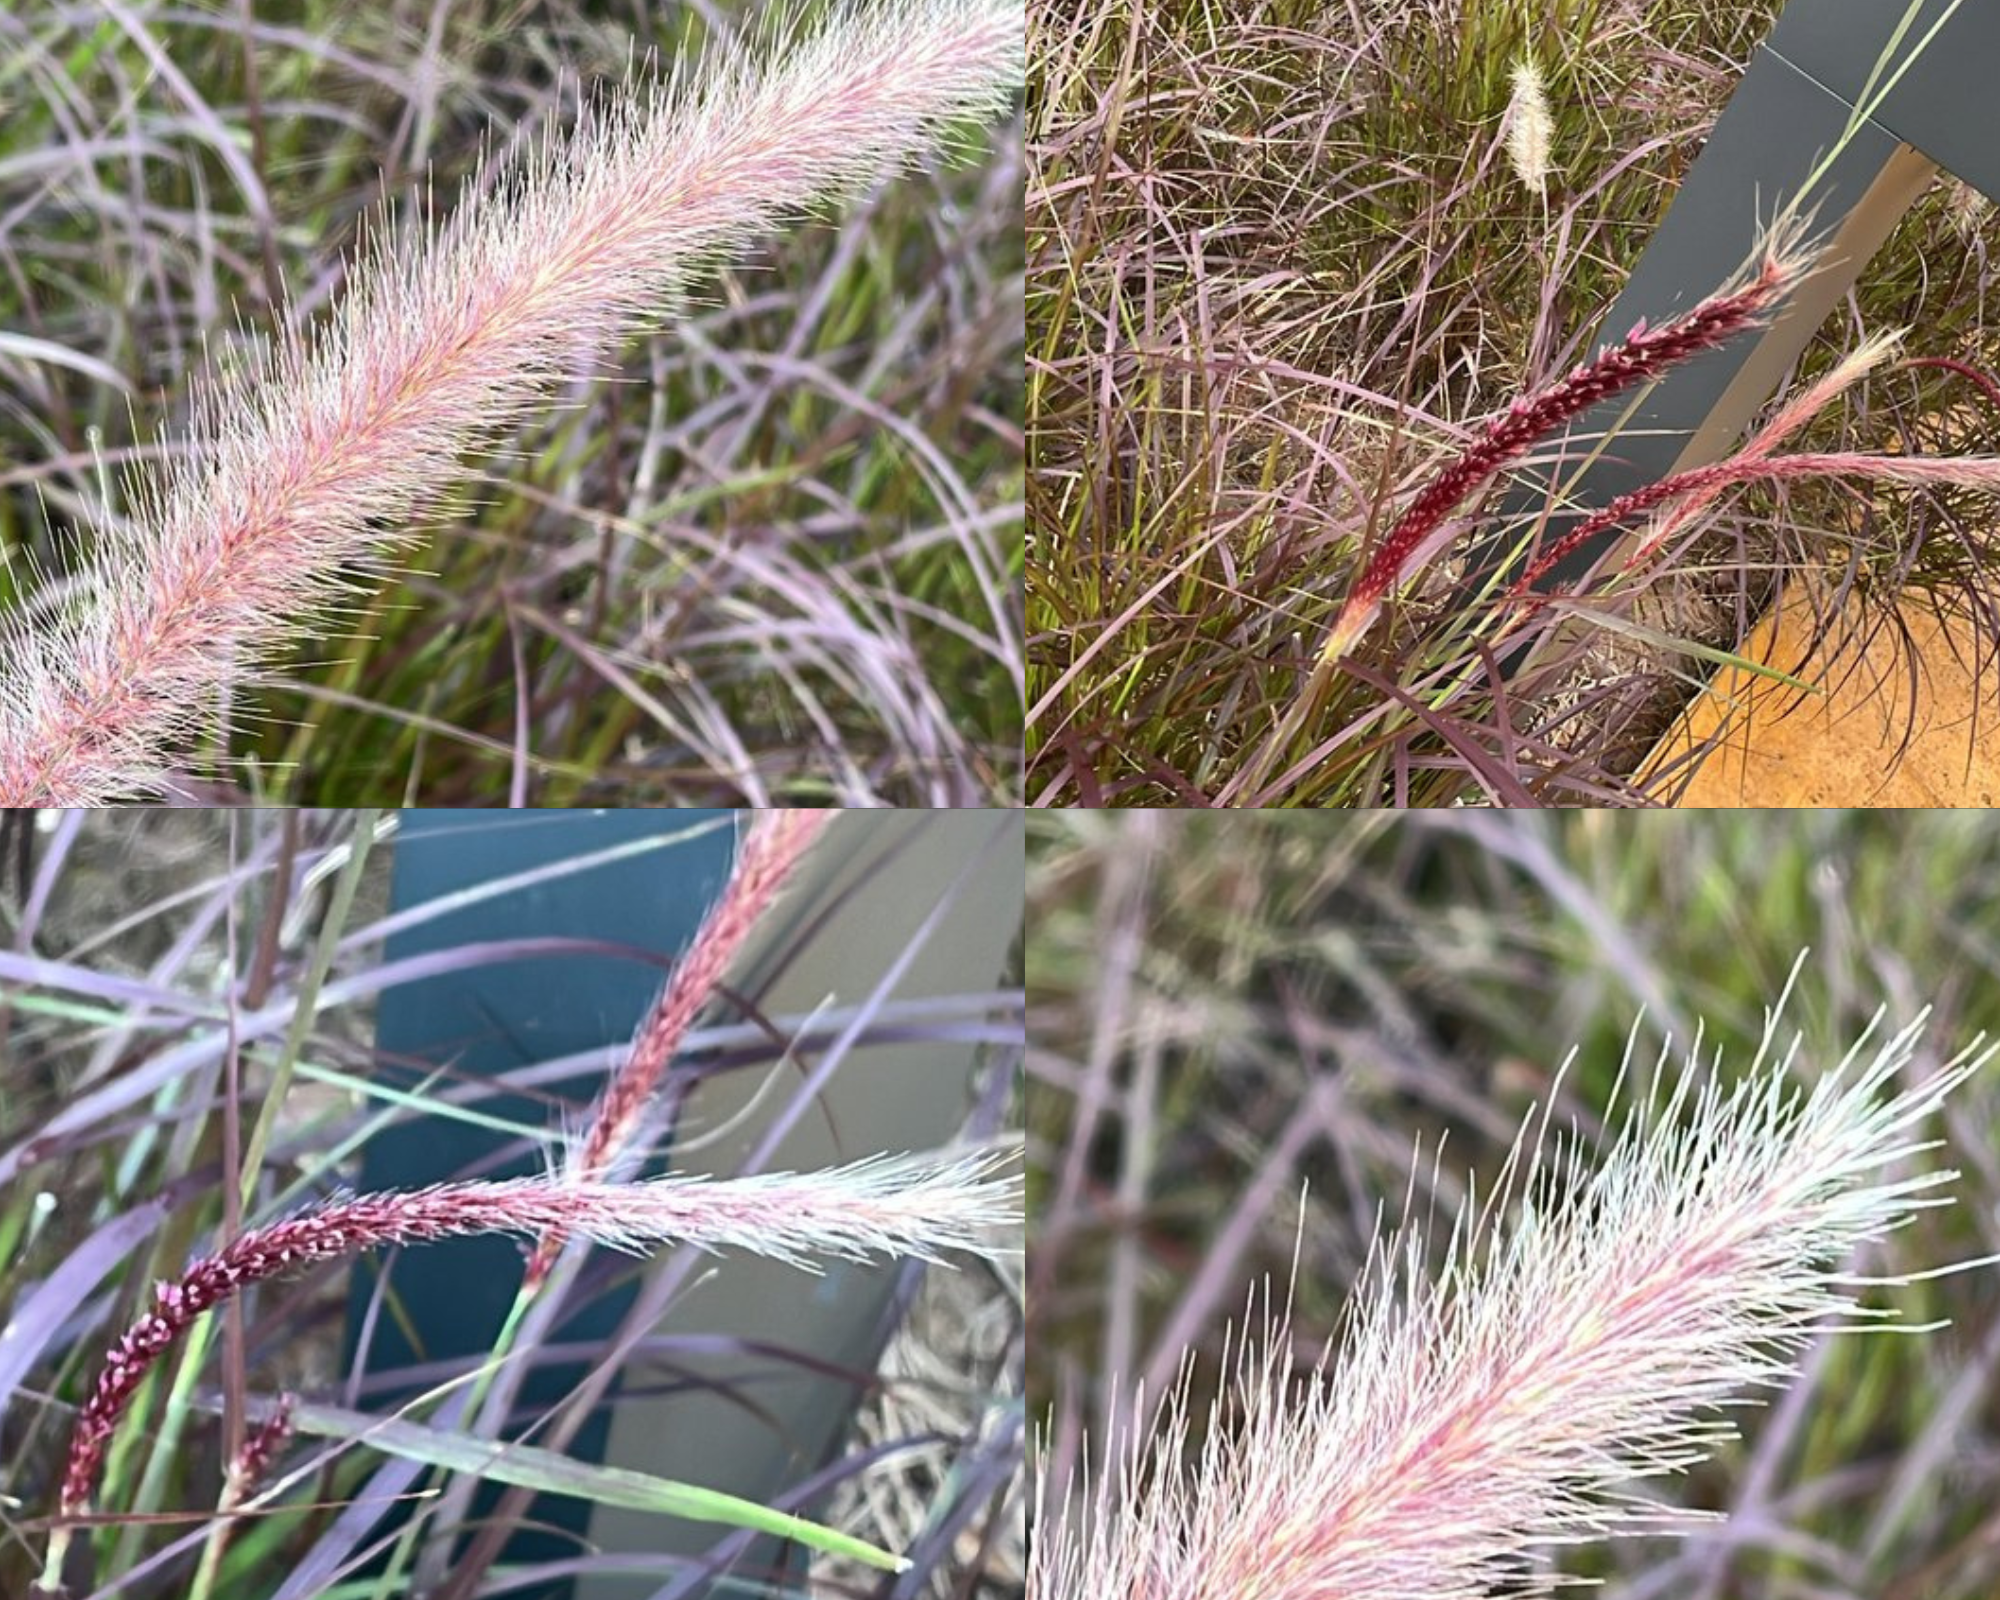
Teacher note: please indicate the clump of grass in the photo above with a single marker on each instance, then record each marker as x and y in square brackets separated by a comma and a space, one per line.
[1586, 1330]
[308, 471]
[1421, 532]
[1286, 272]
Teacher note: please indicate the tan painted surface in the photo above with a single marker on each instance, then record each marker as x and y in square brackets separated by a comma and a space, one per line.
[1857, 744]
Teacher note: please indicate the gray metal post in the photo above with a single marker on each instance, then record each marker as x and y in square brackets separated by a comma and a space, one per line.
[1925, 75]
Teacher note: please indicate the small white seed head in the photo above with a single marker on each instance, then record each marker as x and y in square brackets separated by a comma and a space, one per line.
[1530, 128]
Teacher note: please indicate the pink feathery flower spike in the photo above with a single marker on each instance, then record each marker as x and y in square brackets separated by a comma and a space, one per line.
[1644, 354]
[884, 1206]
[1463, 1421]
[771, 852]
[300, 479]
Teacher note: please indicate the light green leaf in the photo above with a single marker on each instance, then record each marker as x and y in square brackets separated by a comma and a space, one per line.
[1688, 647]
[530, 1467]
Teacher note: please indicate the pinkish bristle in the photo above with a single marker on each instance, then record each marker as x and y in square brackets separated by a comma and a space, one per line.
[301, 481]
[1466, 1419]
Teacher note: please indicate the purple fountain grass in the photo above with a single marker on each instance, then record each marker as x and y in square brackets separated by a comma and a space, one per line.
[883, 1206]
[1644, 354]
[1460, 1423]
[300, 480]
[771, 852]
[1860, 362]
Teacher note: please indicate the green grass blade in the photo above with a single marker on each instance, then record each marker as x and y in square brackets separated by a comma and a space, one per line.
[547, 1472]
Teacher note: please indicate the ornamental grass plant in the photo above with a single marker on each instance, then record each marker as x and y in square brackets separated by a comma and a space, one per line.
[1258, 1043]
[191, 1072]
[772, 557]
[1301, 279]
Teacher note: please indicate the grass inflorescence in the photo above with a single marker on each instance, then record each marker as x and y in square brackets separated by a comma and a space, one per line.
[756, 572]
[772, 849]
[877, 1207]
[1589, 1328]
[1259, 1038]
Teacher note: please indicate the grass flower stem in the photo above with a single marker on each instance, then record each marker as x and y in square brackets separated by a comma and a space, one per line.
[771, 852]
[300, 479]
[1463, 1421]
[1642, 355]
[882, 1206]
